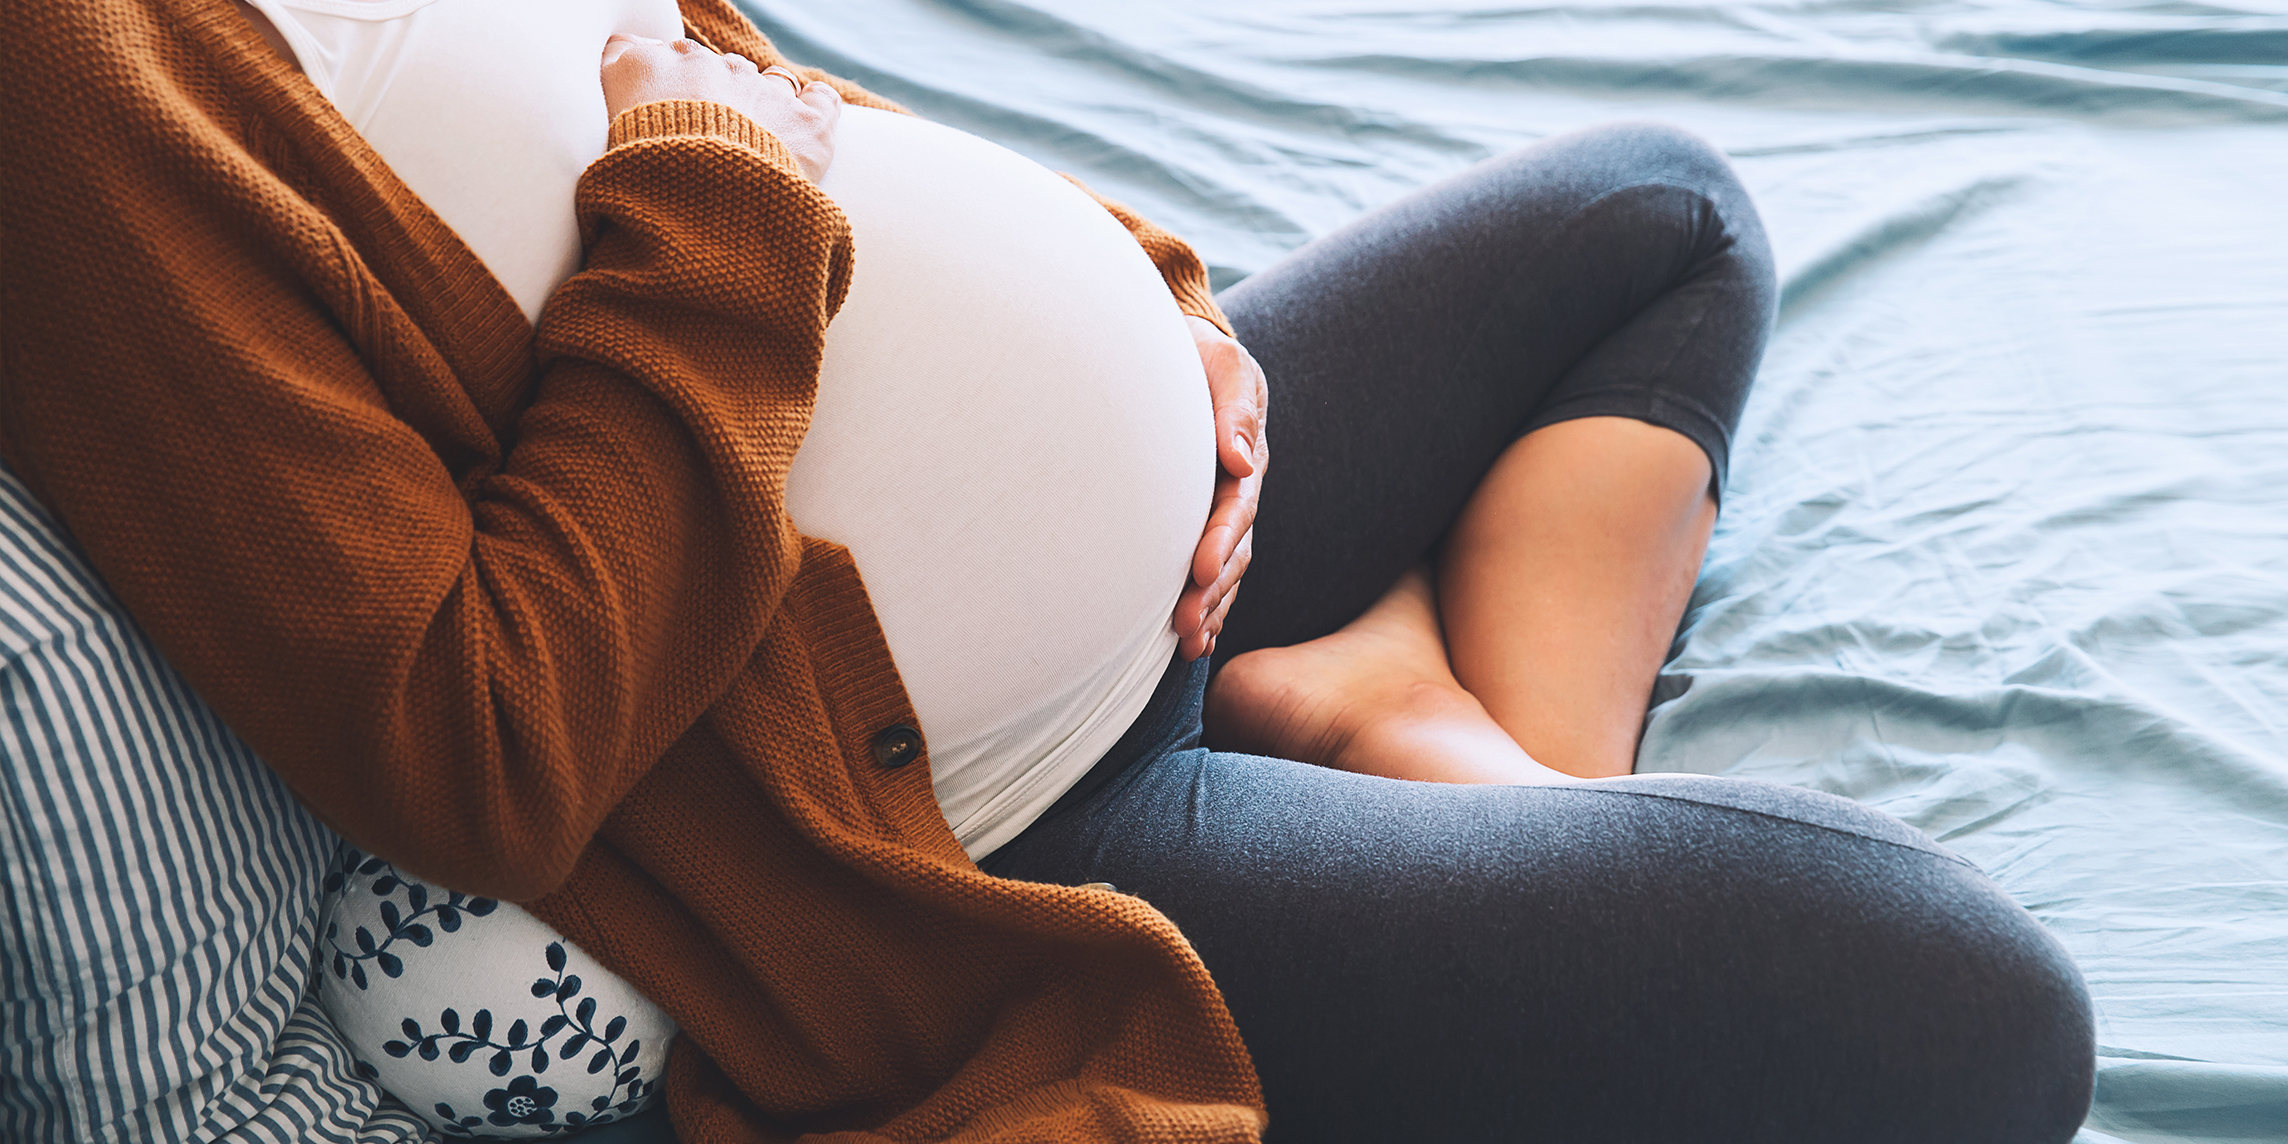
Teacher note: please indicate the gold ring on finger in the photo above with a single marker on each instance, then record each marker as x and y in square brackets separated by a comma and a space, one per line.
[786, 75]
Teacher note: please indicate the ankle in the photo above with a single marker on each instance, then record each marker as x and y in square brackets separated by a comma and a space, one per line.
[1263, 703]
[1437, 732]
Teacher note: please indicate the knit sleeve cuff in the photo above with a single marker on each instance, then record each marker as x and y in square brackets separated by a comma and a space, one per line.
[668, 118]
[1193, 297]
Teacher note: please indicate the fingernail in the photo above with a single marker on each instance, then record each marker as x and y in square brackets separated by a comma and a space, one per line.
[1239, 442]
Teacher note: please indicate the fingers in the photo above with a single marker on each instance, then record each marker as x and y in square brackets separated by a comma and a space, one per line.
[1237, 388]
[822, 98]
[1241, 396]
[1235, 384]
[639, 69]
[654, 55]
[1239, 436]
[1225, 586]
[802, 116]
[1215, 622]
[1231, 519]
[1225, 548]
[618, 43]
[1201, 609]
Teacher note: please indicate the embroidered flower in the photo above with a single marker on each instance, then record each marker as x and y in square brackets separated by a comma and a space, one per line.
[522, 1102]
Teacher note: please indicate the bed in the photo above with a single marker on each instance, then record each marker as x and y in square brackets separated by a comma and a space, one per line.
[2005, 548]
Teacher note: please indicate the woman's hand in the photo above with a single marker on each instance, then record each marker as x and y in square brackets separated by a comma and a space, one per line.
[1242, 400]
[638, 70]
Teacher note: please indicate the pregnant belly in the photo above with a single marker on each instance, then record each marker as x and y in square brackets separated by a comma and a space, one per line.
[1014, 439]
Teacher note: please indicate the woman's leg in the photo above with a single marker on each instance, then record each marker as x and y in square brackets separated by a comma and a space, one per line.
[1650, 958]
[1561, 585]
[1530, 373]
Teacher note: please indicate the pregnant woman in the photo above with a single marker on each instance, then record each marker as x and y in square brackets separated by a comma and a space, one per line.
[499, 451]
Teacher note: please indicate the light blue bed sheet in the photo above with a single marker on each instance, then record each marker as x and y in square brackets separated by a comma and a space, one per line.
[2005, 548]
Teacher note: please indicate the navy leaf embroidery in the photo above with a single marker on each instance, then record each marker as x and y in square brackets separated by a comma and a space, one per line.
[398, 924]
[523, 1101]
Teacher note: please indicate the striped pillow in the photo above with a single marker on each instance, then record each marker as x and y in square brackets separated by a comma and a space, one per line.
[160, 907]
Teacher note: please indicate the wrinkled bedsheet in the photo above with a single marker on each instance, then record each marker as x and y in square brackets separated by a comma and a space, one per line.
[2005, 548]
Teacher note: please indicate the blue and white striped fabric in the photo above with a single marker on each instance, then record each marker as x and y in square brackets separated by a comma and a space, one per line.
[160, 901]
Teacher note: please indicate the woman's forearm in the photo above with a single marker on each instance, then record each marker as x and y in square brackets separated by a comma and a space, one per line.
[459, 603]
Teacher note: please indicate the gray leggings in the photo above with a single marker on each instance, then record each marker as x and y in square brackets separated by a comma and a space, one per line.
[1655, 958]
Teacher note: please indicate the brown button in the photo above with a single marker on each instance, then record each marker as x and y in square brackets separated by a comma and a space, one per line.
[895, 746]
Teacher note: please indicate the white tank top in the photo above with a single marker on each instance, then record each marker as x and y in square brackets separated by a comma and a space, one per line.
[1013, 435]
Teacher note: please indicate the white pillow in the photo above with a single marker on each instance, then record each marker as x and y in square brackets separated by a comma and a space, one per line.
[477, 1014]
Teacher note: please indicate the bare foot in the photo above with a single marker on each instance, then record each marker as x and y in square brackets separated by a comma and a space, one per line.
[1375, 697]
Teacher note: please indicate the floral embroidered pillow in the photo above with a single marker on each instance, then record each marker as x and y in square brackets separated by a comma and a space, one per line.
[478, 1015]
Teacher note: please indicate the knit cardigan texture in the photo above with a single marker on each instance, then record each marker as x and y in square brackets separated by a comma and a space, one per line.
[522, 607]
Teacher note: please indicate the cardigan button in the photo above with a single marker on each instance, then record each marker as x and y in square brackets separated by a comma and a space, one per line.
[897, 745]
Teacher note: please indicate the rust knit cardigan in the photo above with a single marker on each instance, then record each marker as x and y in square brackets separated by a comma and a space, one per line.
[523, 609]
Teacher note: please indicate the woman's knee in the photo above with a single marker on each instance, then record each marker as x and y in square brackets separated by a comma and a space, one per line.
[2023, 1048]
[1649, 149]
[1909, 992]
[1683, 182]
[1994, 1021]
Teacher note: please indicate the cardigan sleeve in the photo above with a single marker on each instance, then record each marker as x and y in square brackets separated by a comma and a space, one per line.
[461, 597]
[627, 556]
